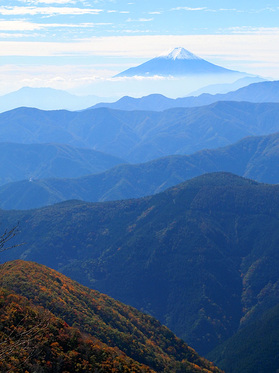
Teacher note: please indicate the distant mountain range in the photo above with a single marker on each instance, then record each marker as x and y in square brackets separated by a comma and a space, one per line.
[156, 210]
[140, 136]
[214, 89]
[253, 157]
[53, 99]
[179, 62]
[255, 92]
[60, 326]
[168, 234]
[202, 256]
[46, 99]
[25, 161]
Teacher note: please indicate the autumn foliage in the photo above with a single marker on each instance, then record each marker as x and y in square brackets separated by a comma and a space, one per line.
[63, 326]
[34, 340]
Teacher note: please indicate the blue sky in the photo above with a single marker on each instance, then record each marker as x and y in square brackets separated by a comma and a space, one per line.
[68, 43]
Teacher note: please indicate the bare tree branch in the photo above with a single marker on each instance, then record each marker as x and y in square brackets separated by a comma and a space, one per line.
[7, 236]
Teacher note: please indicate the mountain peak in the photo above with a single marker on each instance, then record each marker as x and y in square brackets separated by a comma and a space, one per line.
[178, 62]
[180, 53]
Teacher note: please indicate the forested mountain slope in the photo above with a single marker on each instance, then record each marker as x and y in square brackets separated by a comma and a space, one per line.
[111, 336]
[202, 256]
[34, 161]
[253, 349]
[139, 136]
[253, 157]
[34, 340]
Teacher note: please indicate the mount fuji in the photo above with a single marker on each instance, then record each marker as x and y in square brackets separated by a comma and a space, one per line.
[180, 62]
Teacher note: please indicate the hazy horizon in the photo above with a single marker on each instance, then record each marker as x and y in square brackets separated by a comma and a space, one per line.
[78, 46]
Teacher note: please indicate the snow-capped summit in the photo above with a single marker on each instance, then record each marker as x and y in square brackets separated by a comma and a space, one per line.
[179, 62]
[181, 54]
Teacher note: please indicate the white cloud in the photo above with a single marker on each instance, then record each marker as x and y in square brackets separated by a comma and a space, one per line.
[53, 2]
[135, 31]
[188, 8]
[205, 9]
[226, 10]
[267, 9]
[13, 77]
[30, 26]
[36, 2]
[140, 78]
[19, 26]
[21, 11]
[254, 30]
[139, 20]
[7, 35]
[118, 11]
[249, 45]
[254, 53]
[229, 10]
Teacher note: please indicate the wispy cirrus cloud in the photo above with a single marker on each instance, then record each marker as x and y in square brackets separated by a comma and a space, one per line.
[206, 9]
[118, 11]
[135, 31]
[139, 20]
[219, 10]
[22, 25]
[234, 46]
[267, 9]
[254, 30]
[228, 10]
[252, 53]
[189, 9]
[30, 10]
[7, 35]
[37, 2]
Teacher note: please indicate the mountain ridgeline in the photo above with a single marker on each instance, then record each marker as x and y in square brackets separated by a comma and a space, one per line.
[256, 92]
[45, 99]
[53, 99]
[162, 204]
[254, 157]
[201, 257]
[140, 136]
[34, 161]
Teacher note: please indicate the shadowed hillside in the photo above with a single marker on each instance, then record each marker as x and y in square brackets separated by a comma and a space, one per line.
[253, 349]
[198, 256]
[25, 161]
[253, 157]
